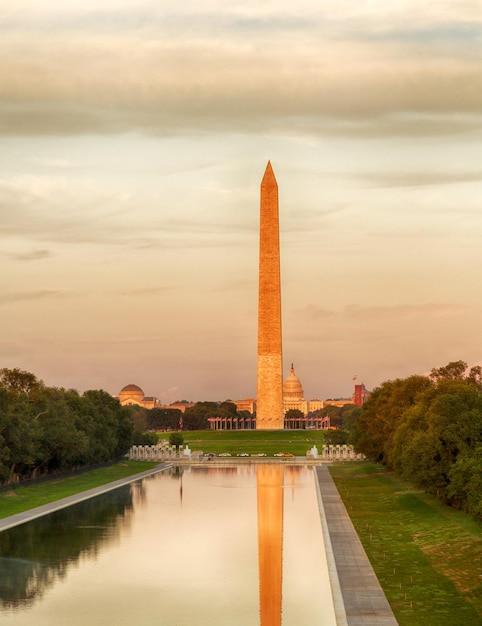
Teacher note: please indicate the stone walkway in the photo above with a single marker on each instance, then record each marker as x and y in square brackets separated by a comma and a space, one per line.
[40, 511]
[358, 597]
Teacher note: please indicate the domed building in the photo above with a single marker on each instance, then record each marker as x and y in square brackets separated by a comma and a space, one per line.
[292, 388]
[293, 396]
[132, 394]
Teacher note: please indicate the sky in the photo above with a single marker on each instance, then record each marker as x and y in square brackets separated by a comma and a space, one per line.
[133, 139]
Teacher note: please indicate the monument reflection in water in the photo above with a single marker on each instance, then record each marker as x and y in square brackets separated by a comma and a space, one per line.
[269, 479]
[239, 545]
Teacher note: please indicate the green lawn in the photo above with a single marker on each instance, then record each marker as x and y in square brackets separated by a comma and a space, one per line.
[270, 442]
[428, 557]
[21, 499]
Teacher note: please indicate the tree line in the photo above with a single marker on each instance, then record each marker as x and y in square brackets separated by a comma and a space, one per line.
[48, 429]
[428, 429]
[164, 419]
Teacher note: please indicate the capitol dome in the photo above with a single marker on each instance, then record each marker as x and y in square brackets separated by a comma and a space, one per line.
[292, 389]
[132, 393]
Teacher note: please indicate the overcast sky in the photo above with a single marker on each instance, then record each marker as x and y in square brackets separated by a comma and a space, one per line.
[134, 136]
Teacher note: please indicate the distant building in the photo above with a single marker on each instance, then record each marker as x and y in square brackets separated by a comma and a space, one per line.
[339, 402]
[182, 406]
[133, 395]
[361, 394]
[293, 396]
[246, 405]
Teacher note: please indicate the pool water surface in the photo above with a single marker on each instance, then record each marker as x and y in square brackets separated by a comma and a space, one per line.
[218, 546]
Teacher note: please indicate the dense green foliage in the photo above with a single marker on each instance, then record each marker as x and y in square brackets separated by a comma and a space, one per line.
[176, 439]
[194, 417]
[46, 429]
[429, 430]
[294, 414]
[341, 417]
[144, 439]
[427, 556]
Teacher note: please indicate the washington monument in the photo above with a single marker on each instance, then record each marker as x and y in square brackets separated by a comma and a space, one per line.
[269, 395]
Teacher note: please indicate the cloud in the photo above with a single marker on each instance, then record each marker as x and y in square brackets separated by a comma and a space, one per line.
[423, 179]
[154, 291]
[34, 255]
[76, 211]
[313, 313]
[170, 395]
[183, 71]
[41, 294]
[404, 311]
[317, 324]
[57, 210]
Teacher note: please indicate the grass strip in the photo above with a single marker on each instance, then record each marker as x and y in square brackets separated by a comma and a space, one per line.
[427, 556]
[296, 442]
[20, 499]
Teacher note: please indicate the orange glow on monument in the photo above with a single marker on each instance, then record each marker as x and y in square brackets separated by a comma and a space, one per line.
[269, 412]
[270, 480]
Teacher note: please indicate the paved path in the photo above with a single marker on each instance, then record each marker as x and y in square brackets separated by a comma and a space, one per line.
[358, 597]
[45, 509]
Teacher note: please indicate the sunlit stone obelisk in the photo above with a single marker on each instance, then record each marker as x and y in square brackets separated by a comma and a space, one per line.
[269, 396]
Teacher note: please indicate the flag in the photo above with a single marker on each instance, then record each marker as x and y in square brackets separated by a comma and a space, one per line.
[180, 423]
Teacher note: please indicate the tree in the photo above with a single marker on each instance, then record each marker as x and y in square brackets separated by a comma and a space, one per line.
[18, 380]
[114, 428]
[452, 371]
[163, 419]
[138, 417]
[349, 414]
[429, 430]
[465, 488]
[336, 437]
[176, 439]
[44, 429]
[373, 430]
[229, 408]
[196, 417]
[438, 433]
[144, 439]
[63, 445]
[293, 418]
[334, 413]
[19, 440]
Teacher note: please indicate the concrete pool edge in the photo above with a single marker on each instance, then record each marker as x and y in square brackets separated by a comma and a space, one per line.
[57, 505]
[358, 597]
[338, 604]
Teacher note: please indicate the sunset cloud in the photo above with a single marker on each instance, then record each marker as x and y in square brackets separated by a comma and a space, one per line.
[135, 136]
[34, 255]
[12, 298]
[96, 73]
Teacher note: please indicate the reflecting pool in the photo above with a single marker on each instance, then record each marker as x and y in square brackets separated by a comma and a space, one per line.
[231, 546]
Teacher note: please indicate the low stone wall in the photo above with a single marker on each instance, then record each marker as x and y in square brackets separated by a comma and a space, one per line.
[171, 453]
[340, 453]
[162, 453]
